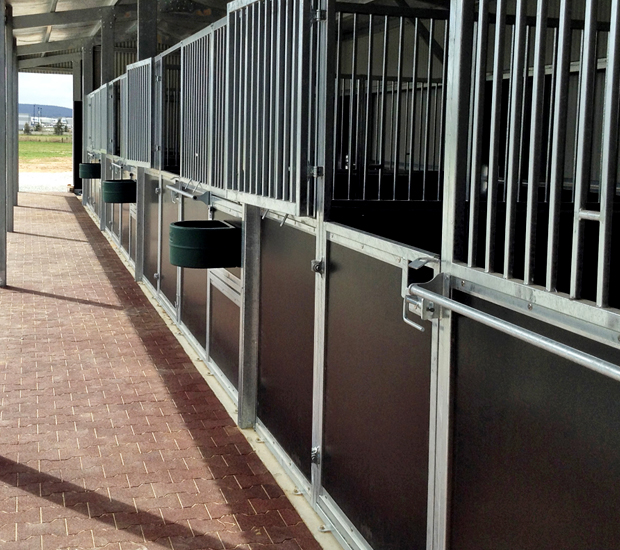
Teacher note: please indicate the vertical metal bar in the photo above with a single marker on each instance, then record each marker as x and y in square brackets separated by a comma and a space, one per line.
[536, 129]
[453, 223]
[352, 105]
[429, 72]
[509, 102]
[496, 112]
[3, 142]
[554, 64]
[513, 160]
[399, 85]
[478, 125]
[266, 102]
[584, 161]
[525, 88]
[414, 94]
[577, 123]
[609, 161]
[383, 94]
[442, 124]
[368, 105]
[338, 106]
[559, 146]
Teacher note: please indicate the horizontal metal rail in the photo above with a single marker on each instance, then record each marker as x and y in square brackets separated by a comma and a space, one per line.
[186, 193]
[562, 350]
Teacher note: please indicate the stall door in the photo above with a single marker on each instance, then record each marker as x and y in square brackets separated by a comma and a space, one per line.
[376, 403]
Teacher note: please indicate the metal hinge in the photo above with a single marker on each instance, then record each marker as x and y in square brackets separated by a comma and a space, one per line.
[156, 276]
[316, 171]
[315, 455]
[158, 78]
[319, 15]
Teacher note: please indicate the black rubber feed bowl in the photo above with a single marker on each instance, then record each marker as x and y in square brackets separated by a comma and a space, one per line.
[118, 191]
[89, 171]
[205, 244]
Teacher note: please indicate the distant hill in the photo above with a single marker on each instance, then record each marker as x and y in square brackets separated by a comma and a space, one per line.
[51, 111]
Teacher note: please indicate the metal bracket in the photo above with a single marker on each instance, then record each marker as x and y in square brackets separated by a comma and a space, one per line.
[317, 266]
[156, 276]
[319, 15]
[424, 308]
[315, 455]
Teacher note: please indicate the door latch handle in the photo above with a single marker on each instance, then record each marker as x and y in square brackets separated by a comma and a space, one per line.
[423, 308]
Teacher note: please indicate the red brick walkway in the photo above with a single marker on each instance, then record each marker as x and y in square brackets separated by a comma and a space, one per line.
[109, 437]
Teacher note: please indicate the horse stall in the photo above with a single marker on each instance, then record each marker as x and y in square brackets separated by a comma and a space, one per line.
[416, 313]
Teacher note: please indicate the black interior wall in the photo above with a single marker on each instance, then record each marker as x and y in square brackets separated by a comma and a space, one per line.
[377, 388]
[536, 439]
[286, 345]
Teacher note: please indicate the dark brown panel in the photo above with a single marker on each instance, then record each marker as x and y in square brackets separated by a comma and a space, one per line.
[221, 216]
[536, 443]
[224, 335]
[151, 228]
[286, 347]
[125, 226]
[194, 284]
[377, 390]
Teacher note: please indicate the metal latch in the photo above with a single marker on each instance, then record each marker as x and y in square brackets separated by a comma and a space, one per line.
[316, 171]
[315, 455]
[319, 15]
[422, 307]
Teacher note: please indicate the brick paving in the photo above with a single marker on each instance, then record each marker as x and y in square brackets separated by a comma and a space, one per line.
[109, 437]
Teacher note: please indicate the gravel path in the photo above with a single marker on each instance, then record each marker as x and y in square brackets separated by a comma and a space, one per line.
[37, 182]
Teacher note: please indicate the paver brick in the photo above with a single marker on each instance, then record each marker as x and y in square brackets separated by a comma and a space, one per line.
[109, 437]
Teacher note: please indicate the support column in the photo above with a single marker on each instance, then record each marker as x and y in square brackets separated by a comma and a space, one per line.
[107, 47]
[248, 352]
[147, 29]
[454, 228]
[16, 123]
[3, 142]
[87, 88]
[11, 128]
[77, 128]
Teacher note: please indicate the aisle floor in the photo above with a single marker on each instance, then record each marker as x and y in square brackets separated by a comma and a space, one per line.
[109, 436]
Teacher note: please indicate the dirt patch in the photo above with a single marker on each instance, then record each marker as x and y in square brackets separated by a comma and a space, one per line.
[49, 165]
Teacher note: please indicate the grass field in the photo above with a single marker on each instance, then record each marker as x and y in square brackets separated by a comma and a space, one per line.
[45, 153]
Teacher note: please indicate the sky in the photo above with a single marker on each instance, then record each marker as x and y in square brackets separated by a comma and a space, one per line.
[46, 89]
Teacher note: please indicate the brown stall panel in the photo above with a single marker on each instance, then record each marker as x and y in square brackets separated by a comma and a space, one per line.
[377, 387]
[223, 217]
[224, 335]
[151, 228]
[125, 226]
[194, 283]
[170, 214]
[286, 346]
[134, 237]
[536, 442]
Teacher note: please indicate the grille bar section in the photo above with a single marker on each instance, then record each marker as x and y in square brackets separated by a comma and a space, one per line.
[139, 111]
[543, 180]
[390, 102]
[268, 119]
[204, 106]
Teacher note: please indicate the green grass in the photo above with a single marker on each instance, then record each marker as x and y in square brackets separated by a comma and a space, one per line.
[32, 150]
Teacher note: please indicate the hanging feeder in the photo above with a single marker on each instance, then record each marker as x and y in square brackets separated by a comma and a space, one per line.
[205, 244]
[118, 191]
[89, 170]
